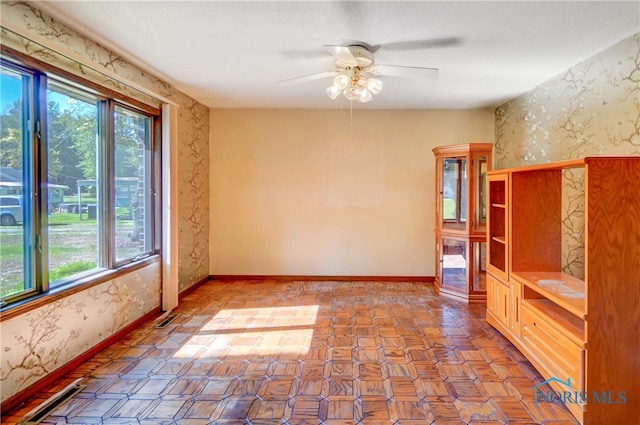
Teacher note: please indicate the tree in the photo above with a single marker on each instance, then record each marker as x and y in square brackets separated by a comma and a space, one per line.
[11, 136]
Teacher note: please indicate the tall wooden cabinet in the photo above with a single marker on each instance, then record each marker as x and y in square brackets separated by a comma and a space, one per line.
[460, 228]
[583, 335]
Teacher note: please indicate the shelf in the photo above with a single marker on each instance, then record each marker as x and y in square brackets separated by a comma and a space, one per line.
[568, 324]
[564, 290]
[499, 206]
[499, 239]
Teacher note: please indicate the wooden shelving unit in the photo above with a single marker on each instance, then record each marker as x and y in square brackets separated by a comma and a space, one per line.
[582, 330]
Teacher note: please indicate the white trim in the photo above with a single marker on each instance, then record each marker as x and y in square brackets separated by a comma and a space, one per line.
[169, 207]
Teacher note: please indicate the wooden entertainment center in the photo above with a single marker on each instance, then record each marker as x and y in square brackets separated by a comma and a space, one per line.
[584, 332]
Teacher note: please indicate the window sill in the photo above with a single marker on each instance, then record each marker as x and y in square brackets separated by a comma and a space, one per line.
[21, 307]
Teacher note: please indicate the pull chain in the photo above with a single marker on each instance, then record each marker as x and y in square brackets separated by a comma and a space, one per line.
[351, 116]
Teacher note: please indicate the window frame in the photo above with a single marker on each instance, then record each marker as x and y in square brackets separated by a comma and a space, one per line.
[150, 226]
[41, 291]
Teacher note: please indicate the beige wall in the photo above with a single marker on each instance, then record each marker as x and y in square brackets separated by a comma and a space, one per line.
[300, 193]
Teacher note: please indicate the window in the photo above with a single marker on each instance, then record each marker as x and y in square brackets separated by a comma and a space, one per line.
[72, 154]
[16, 101]
[132, 178]
[76, 185]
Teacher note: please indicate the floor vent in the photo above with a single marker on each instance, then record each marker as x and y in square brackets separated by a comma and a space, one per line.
[41, 412]
[170, 318]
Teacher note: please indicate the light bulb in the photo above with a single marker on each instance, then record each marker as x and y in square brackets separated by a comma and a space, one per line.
[352, 92]
[374, 85]
[341, 81]
[365, 96]
[333, 91]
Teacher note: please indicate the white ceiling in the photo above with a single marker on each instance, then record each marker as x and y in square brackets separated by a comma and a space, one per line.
[231, 54]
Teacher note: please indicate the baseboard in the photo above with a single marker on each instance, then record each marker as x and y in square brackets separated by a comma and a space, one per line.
[46, 382]
[192, 288]
[289, 278]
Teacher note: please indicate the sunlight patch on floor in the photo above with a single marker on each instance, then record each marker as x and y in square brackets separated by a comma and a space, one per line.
[266, 317]
[253, 331]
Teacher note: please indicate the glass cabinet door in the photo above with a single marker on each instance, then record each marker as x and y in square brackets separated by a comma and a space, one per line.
[480, 188]
[454, 192]
[454, 264]
[479, 281]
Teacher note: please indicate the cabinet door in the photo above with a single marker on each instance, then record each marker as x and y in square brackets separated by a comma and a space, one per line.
[453, 193]
[491, 294]
[454, 276]
[479, 168]
[515, 296]
[498, 298]
[500, 301]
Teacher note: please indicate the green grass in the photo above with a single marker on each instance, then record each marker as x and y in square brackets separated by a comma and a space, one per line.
[10, 250]
[70, 238]
[73, 199]
[58, 273]
[69, 218]
[59, 219]
[65, 249]
[12, 288]
[70, 269]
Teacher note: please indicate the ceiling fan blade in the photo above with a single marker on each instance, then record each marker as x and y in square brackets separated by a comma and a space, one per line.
[306, 78]
[341, 53]
[405, 71]
[421, 44]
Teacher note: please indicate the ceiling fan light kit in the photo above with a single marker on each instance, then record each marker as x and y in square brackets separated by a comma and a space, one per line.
[354, 86]
[353, 66]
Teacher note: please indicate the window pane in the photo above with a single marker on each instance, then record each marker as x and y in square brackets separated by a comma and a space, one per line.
[71, 166]
[132, 183]
[14, 149]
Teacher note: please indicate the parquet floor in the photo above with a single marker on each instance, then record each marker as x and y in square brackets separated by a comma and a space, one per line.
[309, 353]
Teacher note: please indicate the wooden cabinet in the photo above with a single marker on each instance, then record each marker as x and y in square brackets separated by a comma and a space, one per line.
[580, 333]
[461, 220]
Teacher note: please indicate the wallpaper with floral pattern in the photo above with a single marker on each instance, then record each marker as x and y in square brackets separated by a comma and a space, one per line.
[41, 340]
[591, 109]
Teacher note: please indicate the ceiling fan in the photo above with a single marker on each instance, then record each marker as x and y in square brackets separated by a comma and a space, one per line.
[355, 69]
